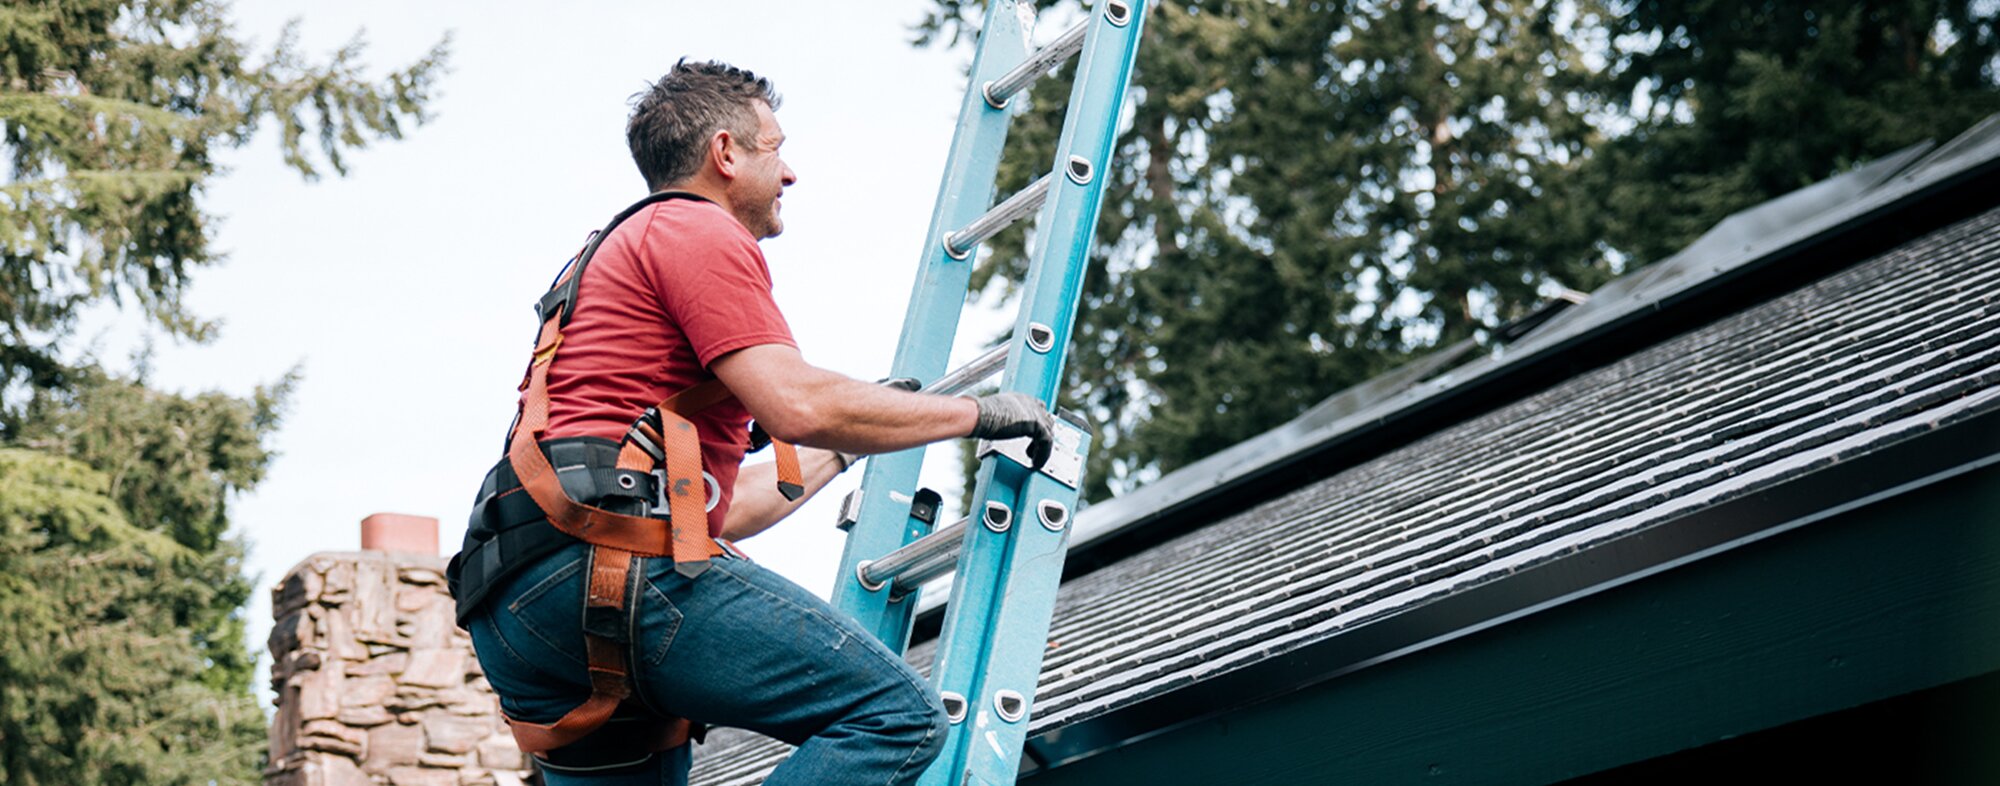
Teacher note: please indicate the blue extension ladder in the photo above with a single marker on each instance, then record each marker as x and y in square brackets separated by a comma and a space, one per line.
[1008, 557]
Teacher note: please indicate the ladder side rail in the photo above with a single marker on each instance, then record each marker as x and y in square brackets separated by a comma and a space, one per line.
[1065, 236]
[882, 519]
[1019, 633]
[962, 651]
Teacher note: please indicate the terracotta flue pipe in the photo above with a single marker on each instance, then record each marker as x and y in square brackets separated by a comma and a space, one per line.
[400, 532]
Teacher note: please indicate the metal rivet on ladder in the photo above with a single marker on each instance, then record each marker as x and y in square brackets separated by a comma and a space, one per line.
[1079, 170]
[1053, 514]
[997, 517]
[1041, 338]
[1117, 12]
[861, 575]
[1010, 705]
[954, 253]
[954, 706]
[986, 92]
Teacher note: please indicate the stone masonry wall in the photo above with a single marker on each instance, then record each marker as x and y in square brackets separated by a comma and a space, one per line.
[376, 685]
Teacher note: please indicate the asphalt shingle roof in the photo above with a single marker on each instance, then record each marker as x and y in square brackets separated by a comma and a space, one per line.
[1899, 345]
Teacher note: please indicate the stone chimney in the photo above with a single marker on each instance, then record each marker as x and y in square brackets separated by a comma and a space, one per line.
[376, 685]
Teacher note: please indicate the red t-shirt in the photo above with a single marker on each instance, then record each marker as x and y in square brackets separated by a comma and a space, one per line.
[674, 287]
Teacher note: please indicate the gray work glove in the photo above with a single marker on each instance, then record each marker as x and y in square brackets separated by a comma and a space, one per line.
[1011, 415]
[900, 383]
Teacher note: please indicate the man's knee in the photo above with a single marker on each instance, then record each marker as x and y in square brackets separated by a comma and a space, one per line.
[920, 720]
[921, 732]
[936, 724]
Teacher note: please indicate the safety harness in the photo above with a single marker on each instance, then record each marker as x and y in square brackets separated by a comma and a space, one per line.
[643, 496]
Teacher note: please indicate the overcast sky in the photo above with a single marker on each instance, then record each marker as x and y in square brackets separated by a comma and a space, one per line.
[403, 291]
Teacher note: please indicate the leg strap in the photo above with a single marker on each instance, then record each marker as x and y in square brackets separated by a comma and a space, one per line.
[606, 640]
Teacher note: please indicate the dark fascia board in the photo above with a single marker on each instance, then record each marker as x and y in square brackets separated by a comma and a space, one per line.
[1749, 258]
[1899, 468]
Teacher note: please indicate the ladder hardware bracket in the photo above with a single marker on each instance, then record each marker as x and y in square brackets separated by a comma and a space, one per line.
[1079, 170]
[1010, 705]
[924, 507]
[1117, 12]
[861, 575]
[998, 517]
[955, 253]
[1065, 464]
[1041, 338]
[850, 510]
[954, 706]
[1054, 515]
[986, 92]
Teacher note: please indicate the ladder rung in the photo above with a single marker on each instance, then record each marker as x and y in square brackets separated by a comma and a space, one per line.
[1044, 60]
[928, 557]
[965, 377]
[960, 244]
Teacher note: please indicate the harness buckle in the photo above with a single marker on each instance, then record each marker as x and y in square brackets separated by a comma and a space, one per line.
[660, 491]
[662, 488]
[544, 354]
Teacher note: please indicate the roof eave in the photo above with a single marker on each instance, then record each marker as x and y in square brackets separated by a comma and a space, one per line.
[1946, 452]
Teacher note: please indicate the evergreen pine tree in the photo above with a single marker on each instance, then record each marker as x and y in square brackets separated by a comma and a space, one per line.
[1309, 193]
[1731, 103]
[124, 660]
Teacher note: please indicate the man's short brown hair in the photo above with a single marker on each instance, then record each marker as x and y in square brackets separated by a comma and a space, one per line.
[672, 120]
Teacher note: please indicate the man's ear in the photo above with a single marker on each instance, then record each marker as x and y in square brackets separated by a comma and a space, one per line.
[722, 152]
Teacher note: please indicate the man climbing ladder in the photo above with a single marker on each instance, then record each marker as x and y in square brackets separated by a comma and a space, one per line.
[604, 601]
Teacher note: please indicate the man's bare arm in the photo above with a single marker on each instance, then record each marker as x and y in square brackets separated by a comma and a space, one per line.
[756, 503]
[807, 405]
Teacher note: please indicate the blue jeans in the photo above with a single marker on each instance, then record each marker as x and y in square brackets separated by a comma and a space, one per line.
[737, 646]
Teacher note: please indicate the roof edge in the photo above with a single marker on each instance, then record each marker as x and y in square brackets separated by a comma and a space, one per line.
[1950, 451]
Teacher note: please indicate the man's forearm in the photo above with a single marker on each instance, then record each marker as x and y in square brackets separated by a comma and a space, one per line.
[859, 417]
[756, 503]
[806, 405]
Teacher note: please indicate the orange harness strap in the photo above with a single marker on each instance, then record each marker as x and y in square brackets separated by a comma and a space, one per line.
[615, 538]
[637, 534]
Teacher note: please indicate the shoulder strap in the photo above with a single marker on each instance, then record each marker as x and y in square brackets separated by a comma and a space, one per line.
[563, 294]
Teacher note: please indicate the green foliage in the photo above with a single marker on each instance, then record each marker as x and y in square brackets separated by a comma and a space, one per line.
[99, 681]
[110, 114]
[1308, 194]
[172, 462]
[1735, 103]
[121, 596]
[1312, 192]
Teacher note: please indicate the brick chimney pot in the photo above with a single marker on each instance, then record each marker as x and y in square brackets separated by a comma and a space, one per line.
[400, 532]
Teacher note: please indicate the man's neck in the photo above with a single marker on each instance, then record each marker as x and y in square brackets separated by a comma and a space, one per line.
[709, 191]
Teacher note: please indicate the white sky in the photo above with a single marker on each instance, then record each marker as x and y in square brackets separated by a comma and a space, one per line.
[404, 290]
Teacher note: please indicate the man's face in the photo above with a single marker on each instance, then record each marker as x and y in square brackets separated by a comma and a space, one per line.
[761, 177]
